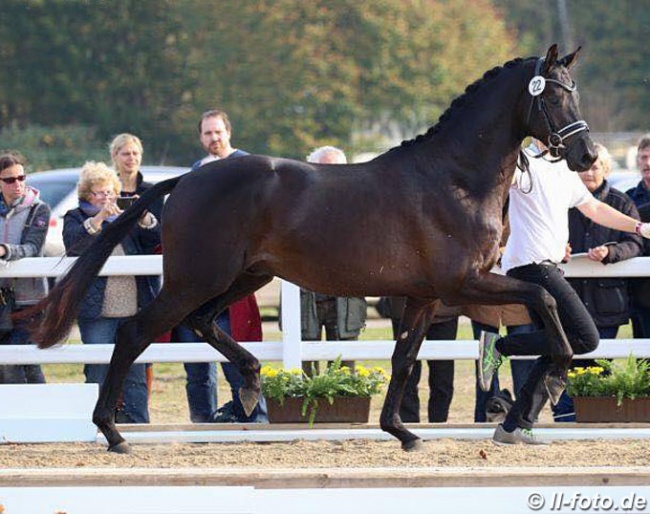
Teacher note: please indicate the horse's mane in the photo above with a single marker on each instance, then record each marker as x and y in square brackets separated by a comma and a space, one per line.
[461, 100]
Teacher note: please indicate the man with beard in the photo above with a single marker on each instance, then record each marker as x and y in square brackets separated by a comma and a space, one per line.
[241, 320]
[214, 133]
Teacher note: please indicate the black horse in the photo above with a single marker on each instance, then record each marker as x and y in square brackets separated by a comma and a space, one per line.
[426, 224]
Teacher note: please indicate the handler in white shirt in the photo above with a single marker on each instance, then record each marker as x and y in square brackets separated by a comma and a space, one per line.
[539, 205]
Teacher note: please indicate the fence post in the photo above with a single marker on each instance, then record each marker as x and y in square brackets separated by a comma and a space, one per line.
[291, 326]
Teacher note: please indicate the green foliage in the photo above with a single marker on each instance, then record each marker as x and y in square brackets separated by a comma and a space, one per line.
[292, 74]
[627, 379]
[54, 147]
[334, 382]
[615, 62]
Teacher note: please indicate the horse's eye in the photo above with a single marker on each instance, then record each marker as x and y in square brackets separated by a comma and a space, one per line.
[554, 100]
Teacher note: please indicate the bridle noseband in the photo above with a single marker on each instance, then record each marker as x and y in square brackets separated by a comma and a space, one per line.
[556, 138]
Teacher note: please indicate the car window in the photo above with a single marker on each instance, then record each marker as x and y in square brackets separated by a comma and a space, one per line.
[52, 192]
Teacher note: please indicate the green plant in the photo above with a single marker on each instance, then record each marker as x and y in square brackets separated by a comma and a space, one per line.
[335, 381]
[627, 379]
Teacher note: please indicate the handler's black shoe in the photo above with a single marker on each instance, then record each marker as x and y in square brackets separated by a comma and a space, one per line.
[518, 436]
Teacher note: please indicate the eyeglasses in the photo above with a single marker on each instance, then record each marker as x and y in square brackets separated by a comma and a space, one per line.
[104, 194]
[11, 180]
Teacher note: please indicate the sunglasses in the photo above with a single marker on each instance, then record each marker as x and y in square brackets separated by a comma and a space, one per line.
[11, 180]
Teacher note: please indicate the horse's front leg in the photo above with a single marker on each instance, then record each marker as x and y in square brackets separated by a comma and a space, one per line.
[418, 315]
[492, 289]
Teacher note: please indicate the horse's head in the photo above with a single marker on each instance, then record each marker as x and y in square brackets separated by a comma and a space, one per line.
[554, 116]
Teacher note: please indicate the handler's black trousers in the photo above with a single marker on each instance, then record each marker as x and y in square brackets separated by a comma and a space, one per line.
[577, 323]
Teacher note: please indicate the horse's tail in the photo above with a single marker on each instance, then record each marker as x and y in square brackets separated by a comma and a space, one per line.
[56, 312]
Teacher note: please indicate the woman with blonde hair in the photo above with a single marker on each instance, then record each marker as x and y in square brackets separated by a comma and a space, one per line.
[126, 155]
[111, 300]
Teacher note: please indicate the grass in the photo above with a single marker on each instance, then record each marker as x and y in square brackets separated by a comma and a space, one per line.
[168, 403]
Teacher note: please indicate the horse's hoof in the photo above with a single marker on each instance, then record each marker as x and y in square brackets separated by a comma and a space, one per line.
[122, 448]
[413, 446]
[249, 399]
[555, 386]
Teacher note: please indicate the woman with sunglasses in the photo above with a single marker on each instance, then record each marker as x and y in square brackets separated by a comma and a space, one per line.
[111, 300]
[24, 221]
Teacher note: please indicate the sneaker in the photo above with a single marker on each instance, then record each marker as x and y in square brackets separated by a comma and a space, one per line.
[225, 414]
[518, 436]
[489, 359]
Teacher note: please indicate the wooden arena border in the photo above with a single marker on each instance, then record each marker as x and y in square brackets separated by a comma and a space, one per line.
[322, 491]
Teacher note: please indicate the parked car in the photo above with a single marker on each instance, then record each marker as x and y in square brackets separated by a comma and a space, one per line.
[624, 180]
[58, 189]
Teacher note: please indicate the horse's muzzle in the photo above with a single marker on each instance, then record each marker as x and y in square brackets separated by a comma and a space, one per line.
[581, 154]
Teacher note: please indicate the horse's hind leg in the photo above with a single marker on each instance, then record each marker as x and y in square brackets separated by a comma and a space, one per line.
[133, 337]
[418, 315]
[202, 321]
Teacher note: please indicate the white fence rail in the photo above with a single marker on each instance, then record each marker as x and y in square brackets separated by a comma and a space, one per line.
[290, 349]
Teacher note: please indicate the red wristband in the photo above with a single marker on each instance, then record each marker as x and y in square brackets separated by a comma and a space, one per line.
[637, 229]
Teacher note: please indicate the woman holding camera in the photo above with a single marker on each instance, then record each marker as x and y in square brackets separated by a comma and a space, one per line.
[126, 154]
[110, 300]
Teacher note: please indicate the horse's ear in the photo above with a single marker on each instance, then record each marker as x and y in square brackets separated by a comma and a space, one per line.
[551, 58]
[569, 61]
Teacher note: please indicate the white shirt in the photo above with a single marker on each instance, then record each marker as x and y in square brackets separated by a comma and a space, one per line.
[539, 220]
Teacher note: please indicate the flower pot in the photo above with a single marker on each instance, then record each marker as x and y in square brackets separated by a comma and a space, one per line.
[604, 410]
[345, 409]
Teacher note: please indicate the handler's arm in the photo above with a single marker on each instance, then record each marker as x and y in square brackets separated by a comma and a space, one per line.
[607, 216]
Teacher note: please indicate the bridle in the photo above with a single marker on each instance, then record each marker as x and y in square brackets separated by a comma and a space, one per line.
[556, 138]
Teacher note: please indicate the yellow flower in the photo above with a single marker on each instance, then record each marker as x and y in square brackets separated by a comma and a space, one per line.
[265, 370]
[295, 371]
[272, 373]
[363, 372]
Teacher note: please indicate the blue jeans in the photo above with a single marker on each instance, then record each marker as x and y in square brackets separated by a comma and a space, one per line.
[135, 394]
[20, 373]
[564, 411]
[518, 368]
[202, 381]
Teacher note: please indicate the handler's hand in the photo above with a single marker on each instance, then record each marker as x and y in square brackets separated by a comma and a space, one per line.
[644, 230]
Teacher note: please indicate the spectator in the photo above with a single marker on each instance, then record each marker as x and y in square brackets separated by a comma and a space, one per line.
[126, 155]
[606, 299]
[640, 287]
[111, 300]
[241, 320]
[342, 318]
[24, 221]
[489, 318]
[539, 205]
[441, 372]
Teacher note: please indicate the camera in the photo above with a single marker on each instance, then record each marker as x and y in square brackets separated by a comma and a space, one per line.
[124, 202]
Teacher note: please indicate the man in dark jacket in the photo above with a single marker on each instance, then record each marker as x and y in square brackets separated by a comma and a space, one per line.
[641, 197]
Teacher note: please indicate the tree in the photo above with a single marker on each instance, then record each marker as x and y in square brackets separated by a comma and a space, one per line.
[117, 64]
[614, 70]
[310, 73]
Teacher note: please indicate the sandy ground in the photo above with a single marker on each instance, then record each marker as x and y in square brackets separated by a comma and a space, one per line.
[322, 454]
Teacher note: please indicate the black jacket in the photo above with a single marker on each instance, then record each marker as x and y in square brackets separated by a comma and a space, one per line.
[606, 299]
[139, 241]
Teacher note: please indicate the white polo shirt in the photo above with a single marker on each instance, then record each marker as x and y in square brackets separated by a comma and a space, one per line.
[539, 219]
